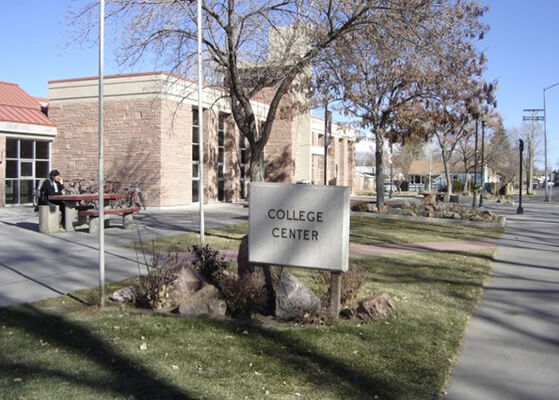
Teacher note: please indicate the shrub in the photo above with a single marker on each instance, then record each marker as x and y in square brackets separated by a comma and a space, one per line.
[155, 286]
[361, 206]
[209, 263]
[405, 186]
[243, 295]
[352, 281]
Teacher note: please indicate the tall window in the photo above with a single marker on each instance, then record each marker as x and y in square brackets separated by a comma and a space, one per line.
[27, 164]
[244, 167]
[195, 155]
[221, 157]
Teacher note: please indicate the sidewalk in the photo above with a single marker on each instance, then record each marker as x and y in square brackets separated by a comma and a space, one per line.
[511, 349]
[35, 266]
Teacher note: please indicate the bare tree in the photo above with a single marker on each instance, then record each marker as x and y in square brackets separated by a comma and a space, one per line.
[494, 137]
[385, 72]
[253, 45]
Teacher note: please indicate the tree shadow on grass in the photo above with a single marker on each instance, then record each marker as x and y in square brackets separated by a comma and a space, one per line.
[127, 378]
[305, 359]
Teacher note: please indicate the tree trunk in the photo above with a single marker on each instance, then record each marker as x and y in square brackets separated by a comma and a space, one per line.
[256, 165]
[379, 143]
[448, 180]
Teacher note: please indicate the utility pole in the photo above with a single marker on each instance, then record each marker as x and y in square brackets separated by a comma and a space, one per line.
[533, 115]
[547, 187]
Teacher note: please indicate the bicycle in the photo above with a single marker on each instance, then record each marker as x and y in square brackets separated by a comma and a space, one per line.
[36, 196]
[133, 197]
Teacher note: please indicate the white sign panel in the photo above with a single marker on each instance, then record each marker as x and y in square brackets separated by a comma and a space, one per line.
[299, 225]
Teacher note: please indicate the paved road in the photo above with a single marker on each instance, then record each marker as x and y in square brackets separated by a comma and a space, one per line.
[35, 266]
[511, 350]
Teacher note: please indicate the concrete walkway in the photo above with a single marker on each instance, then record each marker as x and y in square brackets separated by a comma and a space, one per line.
[511, 350]
[34, 266]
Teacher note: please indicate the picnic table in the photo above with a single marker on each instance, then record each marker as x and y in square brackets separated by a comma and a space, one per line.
[78, 210]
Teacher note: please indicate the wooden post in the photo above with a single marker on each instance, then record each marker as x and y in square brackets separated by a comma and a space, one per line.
[335, 293]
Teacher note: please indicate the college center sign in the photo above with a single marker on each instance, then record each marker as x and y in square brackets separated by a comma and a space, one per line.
[299, 225]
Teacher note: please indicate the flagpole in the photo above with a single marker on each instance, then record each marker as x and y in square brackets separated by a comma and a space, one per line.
[200, 124]
[101, 155]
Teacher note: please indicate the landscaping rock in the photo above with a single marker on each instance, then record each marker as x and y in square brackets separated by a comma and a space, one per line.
[374, 308]
[204, 302]
[371, 208]
[259, 274]
[293, 299]
[125, 295]
[186, 282]
[456, 216]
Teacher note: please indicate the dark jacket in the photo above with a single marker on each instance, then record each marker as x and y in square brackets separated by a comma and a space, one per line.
[48, 188]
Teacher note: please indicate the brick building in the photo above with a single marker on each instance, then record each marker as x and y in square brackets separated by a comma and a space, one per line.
[151, 139]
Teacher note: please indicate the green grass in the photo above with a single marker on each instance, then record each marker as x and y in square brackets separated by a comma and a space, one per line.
[363, 230]
[89, 354]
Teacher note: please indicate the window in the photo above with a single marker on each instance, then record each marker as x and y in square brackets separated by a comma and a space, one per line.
[195, 155]
[221, 131]
[244, 167]
[27, 164]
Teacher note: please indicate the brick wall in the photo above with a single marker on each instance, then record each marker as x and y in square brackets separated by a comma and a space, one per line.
[132, 138]
[280, 152]
[176, 154]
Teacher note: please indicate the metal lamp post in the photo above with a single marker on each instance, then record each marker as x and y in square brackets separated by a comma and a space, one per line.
[482, 163]
[475, 170]
[520, 210]
[547, 191]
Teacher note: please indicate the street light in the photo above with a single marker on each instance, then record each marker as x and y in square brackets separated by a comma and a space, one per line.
[520, 210]
[482, 162]
[547, 191]
[475, 170]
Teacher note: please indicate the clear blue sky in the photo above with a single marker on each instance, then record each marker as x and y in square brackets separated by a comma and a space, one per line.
[522, 48]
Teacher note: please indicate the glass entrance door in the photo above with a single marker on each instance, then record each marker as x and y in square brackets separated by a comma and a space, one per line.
[27, 164]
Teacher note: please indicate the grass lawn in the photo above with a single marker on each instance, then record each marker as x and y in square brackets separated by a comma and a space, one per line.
[123, 353]
[363, 230]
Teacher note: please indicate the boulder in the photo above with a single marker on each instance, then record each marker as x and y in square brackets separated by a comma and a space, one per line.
[374, 308]
[259, 275]
[187, 281]
[293, 299]
[124, 295]
[372, 207]
[204, 302]
[456, 216]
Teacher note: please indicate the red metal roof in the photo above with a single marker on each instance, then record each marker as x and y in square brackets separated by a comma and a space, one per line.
[17, 106]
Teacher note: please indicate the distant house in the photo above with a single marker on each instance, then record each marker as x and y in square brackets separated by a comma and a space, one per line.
[26, 134]
[423, 171]
[364, 179]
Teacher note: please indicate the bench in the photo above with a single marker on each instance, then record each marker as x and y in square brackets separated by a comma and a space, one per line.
[127, 217]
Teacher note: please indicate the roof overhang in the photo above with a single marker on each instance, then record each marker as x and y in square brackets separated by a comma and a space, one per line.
[27, 129]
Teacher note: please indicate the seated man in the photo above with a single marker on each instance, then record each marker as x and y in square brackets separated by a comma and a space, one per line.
[53, 185]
